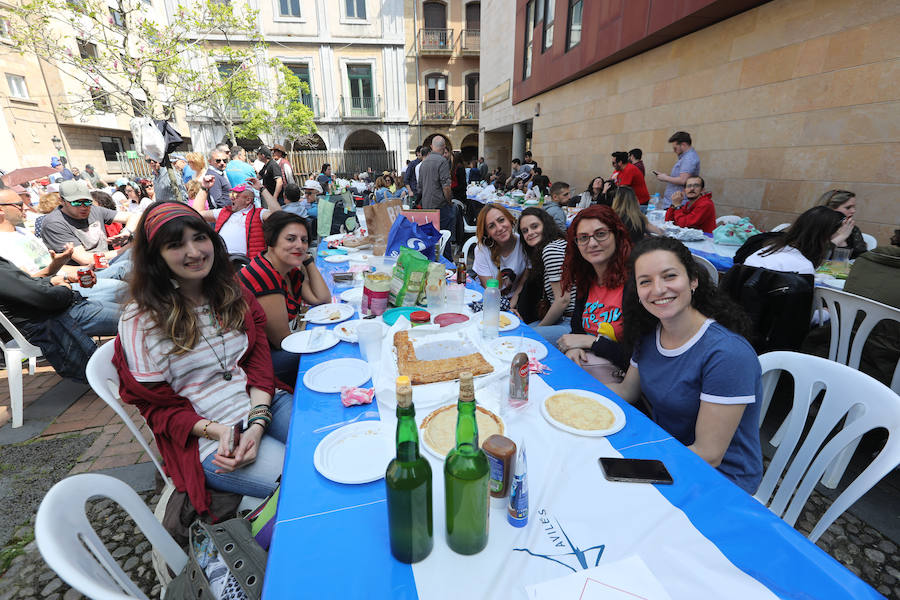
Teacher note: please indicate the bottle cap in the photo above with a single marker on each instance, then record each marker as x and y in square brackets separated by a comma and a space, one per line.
[493, 283]
[402, 380]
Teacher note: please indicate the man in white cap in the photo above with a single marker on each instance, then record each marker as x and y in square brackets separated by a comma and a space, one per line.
[311, 191]
[77, 222]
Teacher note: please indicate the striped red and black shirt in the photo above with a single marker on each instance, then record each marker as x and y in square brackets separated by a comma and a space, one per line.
[261, 278]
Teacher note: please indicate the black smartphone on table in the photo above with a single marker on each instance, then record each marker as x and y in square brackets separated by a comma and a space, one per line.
[636, 470]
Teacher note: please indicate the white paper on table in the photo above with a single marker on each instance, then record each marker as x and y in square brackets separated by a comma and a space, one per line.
[626, 579]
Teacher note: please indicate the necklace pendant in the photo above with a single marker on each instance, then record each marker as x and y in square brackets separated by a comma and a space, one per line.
[226, 376]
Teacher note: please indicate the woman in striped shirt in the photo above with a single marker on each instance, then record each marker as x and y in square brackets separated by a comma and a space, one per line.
[283, 279]
[192, 355]
[545, 247]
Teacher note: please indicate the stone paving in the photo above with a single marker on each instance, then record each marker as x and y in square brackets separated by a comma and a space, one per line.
[859, 547]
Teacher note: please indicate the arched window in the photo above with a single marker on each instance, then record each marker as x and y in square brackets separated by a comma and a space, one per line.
[435, 15]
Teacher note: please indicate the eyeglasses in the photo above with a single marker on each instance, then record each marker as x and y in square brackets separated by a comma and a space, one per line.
[601, 235]
[19, 205]
[220, 160]
[310, 192]
[694, 185]
[150, 161]
[79, 202]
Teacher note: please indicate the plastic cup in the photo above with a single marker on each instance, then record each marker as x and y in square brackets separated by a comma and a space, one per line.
[840, 261]
[455, 295]
[435, 298]
[370, 334]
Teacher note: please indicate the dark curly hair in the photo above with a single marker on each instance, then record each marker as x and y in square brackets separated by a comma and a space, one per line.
[549, 234]
[579, 272]
[706, 298]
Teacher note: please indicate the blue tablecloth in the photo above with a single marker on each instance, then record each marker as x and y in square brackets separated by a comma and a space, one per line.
[331, 540]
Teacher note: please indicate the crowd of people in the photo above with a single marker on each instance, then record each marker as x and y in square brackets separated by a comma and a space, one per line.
[201, 270]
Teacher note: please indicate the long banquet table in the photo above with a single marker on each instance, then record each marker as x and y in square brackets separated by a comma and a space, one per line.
[701, 537]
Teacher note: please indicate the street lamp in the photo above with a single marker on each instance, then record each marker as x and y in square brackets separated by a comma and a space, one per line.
[57, 143]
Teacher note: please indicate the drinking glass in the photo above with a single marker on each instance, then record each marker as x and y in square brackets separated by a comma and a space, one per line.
[840, 262]
[370, 335]
[456, 293]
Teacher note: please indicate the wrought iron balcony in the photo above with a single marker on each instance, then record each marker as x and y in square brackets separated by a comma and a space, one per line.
[361, 109]
[313, 103]
[436, 41]
[467, 111]
[470, 41]
[436, 110]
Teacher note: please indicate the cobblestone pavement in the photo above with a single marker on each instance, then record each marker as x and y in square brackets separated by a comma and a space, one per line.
[857, 546]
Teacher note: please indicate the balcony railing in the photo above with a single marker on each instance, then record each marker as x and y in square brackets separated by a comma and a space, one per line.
[436, 110]
[356, 108]
[470, 41]
[436, 40]
[467, 111]
[313, 103]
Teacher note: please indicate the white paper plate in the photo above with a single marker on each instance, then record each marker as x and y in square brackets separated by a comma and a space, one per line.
[334, 237]
[472, 296]
[357, 453]
[337, 258]
[617, 412]
[423, 442]
[346, 331]
[326, 314]
[513, 320]
[332, 375]
[508, 346]
[299, 342]
[352, 295]
[360, 257]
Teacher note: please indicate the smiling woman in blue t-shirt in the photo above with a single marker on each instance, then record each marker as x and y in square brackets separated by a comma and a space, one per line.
[691, 360]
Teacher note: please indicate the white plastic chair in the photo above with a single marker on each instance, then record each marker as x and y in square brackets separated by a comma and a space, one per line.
[13, 352]
[871, 242]
[445, 237]
[726, 219]
[71, 547]
[781, 227]
[103, 378]
[713, 273]
[845, 389]
[468, 245]
[844, 308]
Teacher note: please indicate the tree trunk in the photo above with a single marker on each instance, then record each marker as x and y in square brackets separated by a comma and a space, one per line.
[174, 183]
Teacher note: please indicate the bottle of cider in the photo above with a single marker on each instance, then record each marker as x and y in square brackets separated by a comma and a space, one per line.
[466, 478]
[408, 482]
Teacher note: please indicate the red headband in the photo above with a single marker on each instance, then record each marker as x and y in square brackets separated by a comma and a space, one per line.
[161, 214]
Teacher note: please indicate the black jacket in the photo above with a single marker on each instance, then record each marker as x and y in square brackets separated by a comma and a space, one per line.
[24, 298]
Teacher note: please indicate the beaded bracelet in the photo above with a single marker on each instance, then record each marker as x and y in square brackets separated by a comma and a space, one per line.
[263, 422]
[205, 434]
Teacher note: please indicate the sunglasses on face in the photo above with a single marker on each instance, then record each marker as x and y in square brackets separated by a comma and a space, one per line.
[79, 202]
[150, 161]
[220, 160]
[19, 205]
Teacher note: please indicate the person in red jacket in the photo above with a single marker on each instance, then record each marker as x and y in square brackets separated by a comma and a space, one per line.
[240, 224]
[694, 208]
[193, 357]
[630, 175]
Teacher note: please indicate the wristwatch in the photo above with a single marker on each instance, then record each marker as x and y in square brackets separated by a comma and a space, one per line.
[308, 260]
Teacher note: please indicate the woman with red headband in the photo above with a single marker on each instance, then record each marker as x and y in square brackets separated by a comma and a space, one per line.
[193, 356]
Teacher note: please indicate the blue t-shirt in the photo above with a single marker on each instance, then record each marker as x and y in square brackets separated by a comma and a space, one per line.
[717, 366]
[238, 172]
[689, 162]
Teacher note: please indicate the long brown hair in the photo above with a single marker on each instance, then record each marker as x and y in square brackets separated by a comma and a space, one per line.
[579, 272]
[481, 230]
[154, 291]
[625, 204]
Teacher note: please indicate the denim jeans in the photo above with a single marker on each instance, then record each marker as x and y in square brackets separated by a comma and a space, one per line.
[96, 317]
[105, 290]
[258, 479]
[285, 365]
[119, 267]
[552, 333]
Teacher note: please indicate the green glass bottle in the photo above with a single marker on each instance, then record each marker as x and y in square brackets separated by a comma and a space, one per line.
[408, 482]
[466, 478]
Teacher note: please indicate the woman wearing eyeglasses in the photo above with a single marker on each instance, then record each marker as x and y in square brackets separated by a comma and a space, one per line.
[597, 250]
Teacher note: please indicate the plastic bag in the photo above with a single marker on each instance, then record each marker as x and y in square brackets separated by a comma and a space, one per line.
[406, 234]
[408, 279]
[147, 138]
[734, 234]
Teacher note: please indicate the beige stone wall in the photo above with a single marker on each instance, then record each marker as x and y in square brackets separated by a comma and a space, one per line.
[783, 101]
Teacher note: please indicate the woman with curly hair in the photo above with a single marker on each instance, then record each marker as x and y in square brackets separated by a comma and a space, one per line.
[499, 254]
[193, 356]
[545, 247]
[691, 359]
[597, 250]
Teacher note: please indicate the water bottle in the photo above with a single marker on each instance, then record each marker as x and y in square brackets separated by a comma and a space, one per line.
[653, 203]
[490, 323]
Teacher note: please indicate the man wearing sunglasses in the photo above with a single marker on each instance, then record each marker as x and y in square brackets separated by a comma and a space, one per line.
[77, 222]
[219, 195]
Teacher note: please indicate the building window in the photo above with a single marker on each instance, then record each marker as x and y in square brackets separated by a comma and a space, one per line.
[118, 17]
[17, 87]
[87, 50]
[436, 88]
[573, 27]
[549, 9]
[111, 146]
[472, 87]
[473, 15]
[361, 94]
[100, 99]
[4, 29]
[289, 8]
[529, 35]
[356, 9]
[302, 73]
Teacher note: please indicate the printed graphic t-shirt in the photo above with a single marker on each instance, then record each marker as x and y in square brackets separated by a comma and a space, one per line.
[603, 312]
